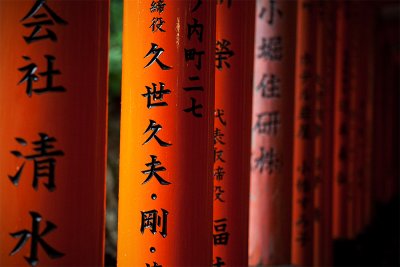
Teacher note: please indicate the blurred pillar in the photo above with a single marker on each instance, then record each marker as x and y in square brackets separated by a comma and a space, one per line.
[325, 86]
[53, 120]
[341, 123]
[304, 139]
[355, 143]
[165, 199]
[272, 133]
[232, 128]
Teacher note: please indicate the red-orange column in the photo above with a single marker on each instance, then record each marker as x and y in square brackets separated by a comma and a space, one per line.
[341, 123]
[165, 199]
[272, 133]
[305, 132]
[325, 82]
[232, 128]
[53, 110]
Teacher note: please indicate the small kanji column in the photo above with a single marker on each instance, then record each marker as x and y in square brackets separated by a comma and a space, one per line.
[304, 135]
[341, 123]
[272, 133]
[232, 129]
[325, 81]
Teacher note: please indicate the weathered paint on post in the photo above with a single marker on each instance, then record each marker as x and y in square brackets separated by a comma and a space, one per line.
[165, 200]
[53, 121]
[272, 133]
[232, 129]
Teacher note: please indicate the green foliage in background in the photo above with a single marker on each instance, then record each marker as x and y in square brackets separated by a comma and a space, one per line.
[115, 49]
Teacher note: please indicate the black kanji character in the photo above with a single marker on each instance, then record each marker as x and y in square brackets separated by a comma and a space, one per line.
[156, 96]
[305, 131]
[193, 109]
[155, 128]
[303, 202]
[268, 160]
[219, 113]
[30, 77]
[157, 6]
[153, 171]
[151, 220]
[270, 86]
[198, 4]
[157, 53]
[219, 173]
[36, 240]
[156, 24]
[271, 48]
[218, 155]
[303, 185]
[221, 237]
[267, 123]
[223, 53]
[195, 28]
[218, 193]
[47, 18]
[218, 136]
[191, 54]
[44, 161]
[272, 10]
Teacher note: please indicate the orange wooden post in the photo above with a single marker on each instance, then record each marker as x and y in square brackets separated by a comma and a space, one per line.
[325, 69]
[341, 124]
[304, 130]
[165, 200]
[233, 92]
[53, 110]
[272, 134]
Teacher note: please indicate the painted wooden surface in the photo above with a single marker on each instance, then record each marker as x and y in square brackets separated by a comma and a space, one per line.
[53, 110]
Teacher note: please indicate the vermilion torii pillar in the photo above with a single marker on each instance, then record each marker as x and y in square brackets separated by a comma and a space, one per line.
[341, 123]
[165, 200]
[232, 129]
[305, 132]
[53, 110]
[272, 133]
